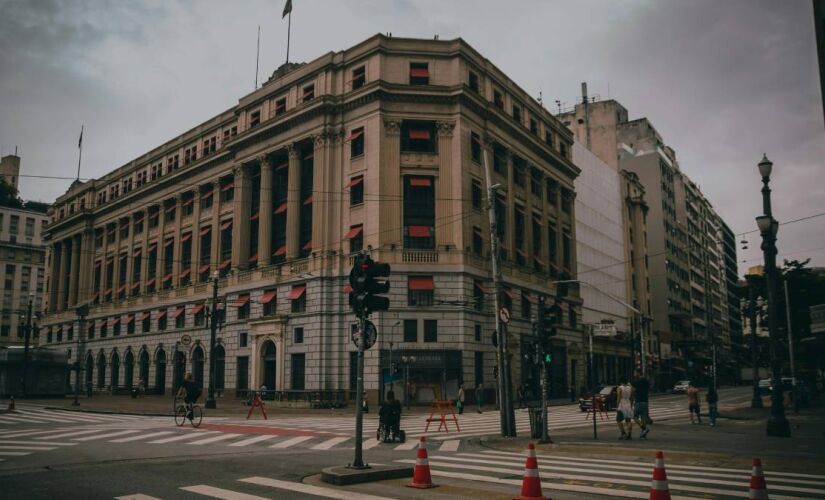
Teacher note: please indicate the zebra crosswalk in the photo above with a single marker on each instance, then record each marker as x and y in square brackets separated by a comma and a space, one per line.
[32, 414]
[618, 478]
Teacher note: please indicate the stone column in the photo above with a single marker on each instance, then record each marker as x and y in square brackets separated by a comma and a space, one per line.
[529, 203]
[320, 192]
[293, 204]
[61, 274]
[74, 272]
[176, 246]
[240, 220]
[510, 209]
[196, 238]
[54, 280]
[116, 284]
[446, 232]
[129, 255]
[161, 240]
[265, 213]
[216, 227]
[545, 245]
[390, 213]
[144, 258]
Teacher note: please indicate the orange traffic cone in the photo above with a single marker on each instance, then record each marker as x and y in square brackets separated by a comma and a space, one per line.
[658, 488]
[531, 484]
[11, 404]
[421, 473]
[759, 489]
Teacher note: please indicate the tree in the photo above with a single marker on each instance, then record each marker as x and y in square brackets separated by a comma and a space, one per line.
[8, 195]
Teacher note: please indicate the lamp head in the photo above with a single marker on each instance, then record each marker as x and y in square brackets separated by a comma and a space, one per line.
[765, 167]
[216, 275]
[764, 222]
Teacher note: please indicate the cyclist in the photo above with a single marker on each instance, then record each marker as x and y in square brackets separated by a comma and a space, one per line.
[190, 393]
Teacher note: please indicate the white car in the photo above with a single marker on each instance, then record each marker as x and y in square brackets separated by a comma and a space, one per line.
[681, 386]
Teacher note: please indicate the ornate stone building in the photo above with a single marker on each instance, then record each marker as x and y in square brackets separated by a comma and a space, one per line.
[377, 148]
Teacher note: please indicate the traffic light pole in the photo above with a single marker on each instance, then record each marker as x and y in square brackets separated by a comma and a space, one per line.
[358, 461]
[508, 418]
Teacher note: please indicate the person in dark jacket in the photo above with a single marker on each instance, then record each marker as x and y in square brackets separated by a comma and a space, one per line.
[390, 414]
[713, 409]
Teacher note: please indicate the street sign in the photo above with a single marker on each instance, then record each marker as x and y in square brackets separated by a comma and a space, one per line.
[186, 339]
[604, 330]
[369, 338]
[504, 315]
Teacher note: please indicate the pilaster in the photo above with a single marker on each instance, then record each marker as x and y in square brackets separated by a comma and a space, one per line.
[240, 221]
[390, 214]
[293, 203]
[265, 213]
[445, 233]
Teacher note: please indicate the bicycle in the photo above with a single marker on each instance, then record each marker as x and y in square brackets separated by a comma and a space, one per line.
[188, 410]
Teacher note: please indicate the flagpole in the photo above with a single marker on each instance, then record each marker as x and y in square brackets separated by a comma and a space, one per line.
[288, 32]
[80, 152]
[257, 57]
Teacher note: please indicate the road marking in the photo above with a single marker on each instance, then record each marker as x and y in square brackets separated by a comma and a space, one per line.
[310, 489]
[370, 444]
[291, 441]
[140, 436]
[68, 434]
[37, 443]
[329, 443]
[137, 496]
[104, 436]
[182, 437]
[215, 439]
[31, 433]
[213, 492]
[32, 448]
[409, 445]
[450, 445]
[14, 453]
[255, 439]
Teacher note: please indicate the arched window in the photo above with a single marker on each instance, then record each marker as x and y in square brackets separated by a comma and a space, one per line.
[144, 369]
[128, 369]
[101, 370]
[115, 371]
[197, 366]
[220, 361]
[160, 371]
[269, 364]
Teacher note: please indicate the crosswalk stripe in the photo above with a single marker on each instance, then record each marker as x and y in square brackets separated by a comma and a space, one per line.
[31, 433]
[38, 443]
[311, 489]
[67, 434]
[370, 444]
[451, 445]
[104, 436]
[329, 443]
[291, 441]
[215, 439]
[14, 453]
[32, 448]
[140, 436]
[137, 496]
[252, 440]
[211, 491]
[409, 445]
[182, 437]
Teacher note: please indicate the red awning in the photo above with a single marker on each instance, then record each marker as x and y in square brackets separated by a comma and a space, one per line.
[530, 297]
[203, 268]
[538, 261]
[135, 285]
[188, 202]
[280, 251]
[130, 318]
[170, 209]
[137, 253]
[178, 311]
[308, 200]
[101, 322]
[60, 329]
[421, 182]
[145, 316]
[225, 264]
[153, 246]
[167, 278]
[423, 135]
[168, 242]
[186, 237]
[521, 252]
[354, 231]
[307, 245]
[281, 208]
[206, 230]
[95, 296]
[356, 180]
[347, 288]
[282, 165]
[267, 297]
[185, 272]
[420, 72]
[253, 258]
[227, 187]
[150, 282]
[107, 292]
[418, 231]
[480, 233]
[355, 135]
[197, 309]
[421, 283]
[114, 321]
[242, 300]
[122, 288]
[98, 264]
[206, 195]
[226, 225]
[296, 292]
[511, 294]
[255, 216]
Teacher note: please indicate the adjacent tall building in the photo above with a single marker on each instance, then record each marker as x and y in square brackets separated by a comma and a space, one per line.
[688, 295]
[375, 148]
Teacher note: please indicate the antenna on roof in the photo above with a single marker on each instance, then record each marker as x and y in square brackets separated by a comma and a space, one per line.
[540, 99]
[558, 103]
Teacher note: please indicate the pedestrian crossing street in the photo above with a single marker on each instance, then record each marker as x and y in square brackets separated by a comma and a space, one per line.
[618, 478]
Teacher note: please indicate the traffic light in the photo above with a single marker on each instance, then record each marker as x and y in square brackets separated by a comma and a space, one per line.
[546, 326]
[548, 358]
[365, 297]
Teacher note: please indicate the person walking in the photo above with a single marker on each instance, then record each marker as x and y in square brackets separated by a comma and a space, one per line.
[624, 410]
[713, 410]
[641, 391]
[459, 402]
[480, 396]
[520, 396]
[693, 403]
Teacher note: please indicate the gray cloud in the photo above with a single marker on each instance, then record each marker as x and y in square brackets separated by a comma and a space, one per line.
[722, 81]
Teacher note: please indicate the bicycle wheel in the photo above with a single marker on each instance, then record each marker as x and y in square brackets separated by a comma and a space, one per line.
[180, 415]
[197, 416]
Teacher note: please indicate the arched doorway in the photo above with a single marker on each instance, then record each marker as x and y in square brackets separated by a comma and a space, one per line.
[115, 371]
[220, 361]
[180, 369]
[143, 371]
[197, 366]
[160, 371]
[269, 364]
[101, 370]
[129, 370]
[90, 370]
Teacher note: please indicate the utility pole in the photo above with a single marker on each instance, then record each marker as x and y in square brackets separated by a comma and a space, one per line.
[210, 400]
[26, 345]
[508, 427]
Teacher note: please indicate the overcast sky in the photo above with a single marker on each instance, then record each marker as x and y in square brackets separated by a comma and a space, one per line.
[722, 81]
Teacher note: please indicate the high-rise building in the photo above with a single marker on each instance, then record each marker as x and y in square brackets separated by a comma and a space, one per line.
[376, 148]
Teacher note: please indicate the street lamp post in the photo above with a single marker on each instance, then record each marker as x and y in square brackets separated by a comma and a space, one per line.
[26, 344]
[213, 327]
[406, 361]
[756, 399]
[777, 422]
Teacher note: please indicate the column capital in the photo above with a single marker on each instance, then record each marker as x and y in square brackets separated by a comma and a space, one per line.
[263, 159]
[392, 127]
[445, 129]
[292, 151]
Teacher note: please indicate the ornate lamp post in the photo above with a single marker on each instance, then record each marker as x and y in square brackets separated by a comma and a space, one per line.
[777, 423]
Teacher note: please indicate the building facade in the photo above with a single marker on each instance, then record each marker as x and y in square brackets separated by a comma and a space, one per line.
[23, 263]
[377, 148]
[10, 170]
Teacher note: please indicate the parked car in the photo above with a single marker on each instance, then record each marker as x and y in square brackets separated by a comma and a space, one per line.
[681, 387]
[608, 395]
